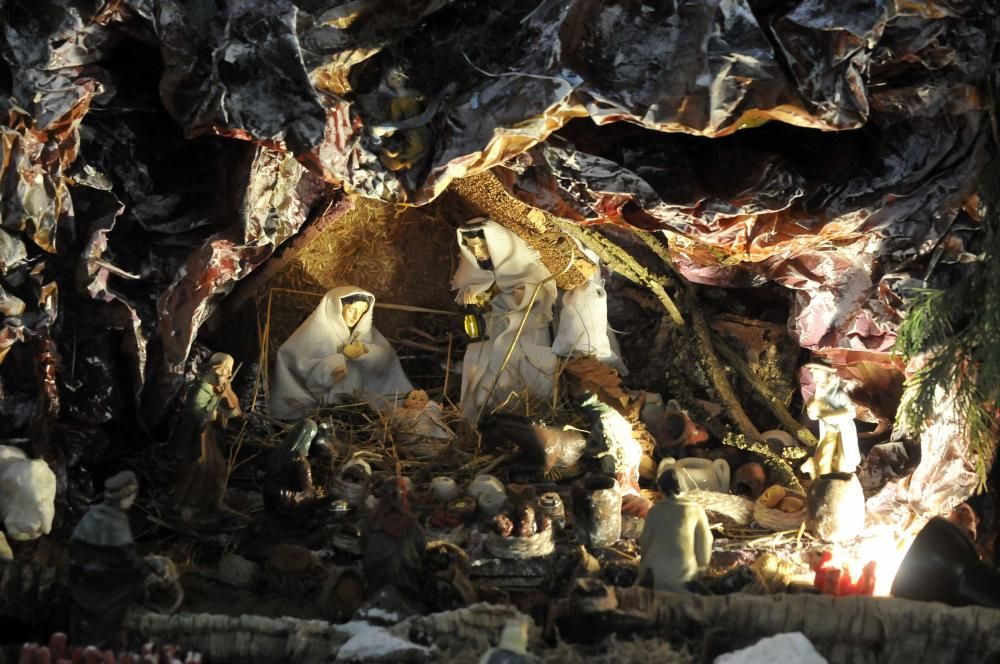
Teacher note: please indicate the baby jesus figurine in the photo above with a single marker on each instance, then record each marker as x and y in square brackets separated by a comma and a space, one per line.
[419, 417]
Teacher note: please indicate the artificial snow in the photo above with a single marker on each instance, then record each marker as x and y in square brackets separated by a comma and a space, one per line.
[369, 642]
[789, 647]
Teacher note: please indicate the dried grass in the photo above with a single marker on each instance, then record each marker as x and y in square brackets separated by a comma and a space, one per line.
[402, 255]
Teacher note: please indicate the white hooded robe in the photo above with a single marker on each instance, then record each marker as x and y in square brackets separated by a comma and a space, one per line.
[303, 371]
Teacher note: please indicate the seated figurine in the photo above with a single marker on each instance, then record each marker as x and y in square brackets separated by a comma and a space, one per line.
[419, 417]
[676, 541]
[336, 352]
[105, 572]
[289, 495]
[500, 271]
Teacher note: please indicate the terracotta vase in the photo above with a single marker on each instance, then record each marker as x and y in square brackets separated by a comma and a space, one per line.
[675, 428]
[749, 480]
[444, 489]
[491, 500]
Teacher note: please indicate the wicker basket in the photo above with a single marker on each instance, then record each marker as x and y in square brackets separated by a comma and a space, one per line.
[729, 510]
[775, 519]
[519, 548]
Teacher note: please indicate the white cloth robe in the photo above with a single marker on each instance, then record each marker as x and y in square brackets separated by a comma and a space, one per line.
[303, 371]
[532, 366]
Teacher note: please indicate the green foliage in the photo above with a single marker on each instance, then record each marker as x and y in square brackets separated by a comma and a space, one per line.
[959, 330]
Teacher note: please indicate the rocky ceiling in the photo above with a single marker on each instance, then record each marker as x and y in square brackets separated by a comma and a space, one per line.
[155, 152]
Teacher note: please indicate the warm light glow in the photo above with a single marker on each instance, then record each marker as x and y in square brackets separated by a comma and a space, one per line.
[887, 549]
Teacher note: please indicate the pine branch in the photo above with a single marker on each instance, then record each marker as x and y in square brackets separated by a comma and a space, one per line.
[956, 330]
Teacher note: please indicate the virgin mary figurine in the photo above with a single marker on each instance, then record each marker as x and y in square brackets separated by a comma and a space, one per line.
[336, 352]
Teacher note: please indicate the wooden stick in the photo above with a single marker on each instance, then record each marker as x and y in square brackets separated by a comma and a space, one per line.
[770, 399]
[618, 260]
[715, 370]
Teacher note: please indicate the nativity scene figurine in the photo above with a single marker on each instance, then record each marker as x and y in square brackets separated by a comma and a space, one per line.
[290, 496]
[514, 304]
[501, 273]
[676, 541]
[419, 417]
[406, 140]
[831, 405]
[196, 440]
[106, 574]
[582, 319]
[335, 353]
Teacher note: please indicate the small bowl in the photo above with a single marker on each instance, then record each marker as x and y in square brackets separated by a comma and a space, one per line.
[484, 483]
[491, 502]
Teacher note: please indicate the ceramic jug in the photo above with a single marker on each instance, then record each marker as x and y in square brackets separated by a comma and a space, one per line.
[696, 473]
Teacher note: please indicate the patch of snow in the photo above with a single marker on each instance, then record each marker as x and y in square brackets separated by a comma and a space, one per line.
[382, 614]
[789, 647]
[369, 641]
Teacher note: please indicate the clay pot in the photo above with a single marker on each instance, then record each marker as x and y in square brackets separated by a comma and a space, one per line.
[444, 489]
[597, 510]
[552, 505]
[779, 438]
[695, 473]
[836, 507]
[464, 508]
[749, 480]
[675, 428]
[491, 501]
[484, 483]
